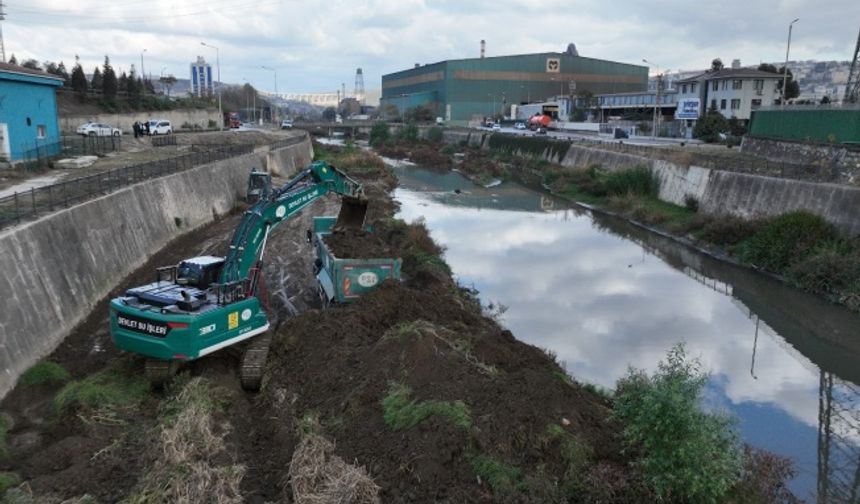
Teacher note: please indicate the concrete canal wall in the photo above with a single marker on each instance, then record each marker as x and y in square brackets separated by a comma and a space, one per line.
[57, 268]
[718, 191]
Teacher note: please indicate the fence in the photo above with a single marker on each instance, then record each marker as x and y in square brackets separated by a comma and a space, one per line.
[44, 199]
[163, 141]
[286, 142]
[733, 161]
[38, 154]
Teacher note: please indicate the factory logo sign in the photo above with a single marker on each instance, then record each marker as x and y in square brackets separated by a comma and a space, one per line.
[553, 65]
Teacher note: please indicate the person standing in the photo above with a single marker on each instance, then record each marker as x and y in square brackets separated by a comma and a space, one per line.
[136, 128]
[146, 126]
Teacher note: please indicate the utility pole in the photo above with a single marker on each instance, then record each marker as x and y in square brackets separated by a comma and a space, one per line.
[218, 63]
[274, 106]
[785, 68]
[142, 73]
[657, 97]
[2, 47]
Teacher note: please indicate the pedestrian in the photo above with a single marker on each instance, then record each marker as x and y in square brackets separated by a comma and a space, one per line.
[146, 126]
[136, 128]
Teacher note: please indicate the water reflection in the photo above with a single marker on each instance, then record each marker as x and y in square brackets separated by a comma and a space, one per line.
[604, 295]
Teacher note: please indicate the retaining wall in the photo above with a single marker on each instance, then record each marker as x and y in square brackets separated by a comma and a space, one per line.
[199, 117]
[718, 192]
[845, 159]
[57, 268]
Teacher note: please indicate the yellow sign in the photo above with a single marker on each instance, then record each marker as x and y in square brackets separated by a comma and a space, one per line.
[233, 320]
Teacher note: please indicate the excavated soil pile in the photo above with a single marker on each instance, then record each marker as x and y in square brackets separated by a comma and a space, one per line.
[436, 342]
[420, 152]
[357, 244]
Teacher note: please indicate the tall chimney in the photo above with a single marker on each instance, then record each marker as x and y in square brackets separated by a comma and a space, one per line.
[483, 47]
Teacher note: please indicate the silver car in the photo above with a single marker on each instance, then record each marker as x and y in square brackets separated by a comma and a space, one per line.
[97, 129]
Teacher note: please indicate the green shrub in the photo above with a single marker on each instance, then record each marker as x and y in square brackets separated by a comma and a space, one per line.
[8, 480]
[4, 431]
[786, 239]
[408, 131]
[45, 372]
[379, 134]
[686, 454]
[402, 413]
[728, 230]
[638, 180]
[502, 478]
[448, 150]
[434, 134]
[529, 145]
[691, 203]
[211, 124]
[831, 269]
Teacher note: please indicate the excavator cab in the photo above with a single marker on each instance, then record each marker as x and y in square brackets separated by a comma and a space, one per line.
[259, 186]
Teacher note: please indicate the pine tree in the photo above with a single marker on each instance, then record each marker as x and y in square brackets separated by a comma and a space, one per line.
[62, 72]
[109, 82]
[122, 85]
[97, 80]
[79, 80]
[13, 60]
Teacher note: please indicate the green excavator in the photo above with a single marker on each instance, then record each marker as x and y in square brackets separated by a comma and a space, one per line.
[205, 304]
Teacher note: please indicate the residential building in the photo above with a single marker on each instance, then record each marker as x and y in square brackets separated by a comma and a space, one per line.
[733, 92]
[466, 90]
[201, 78]
[28, 113]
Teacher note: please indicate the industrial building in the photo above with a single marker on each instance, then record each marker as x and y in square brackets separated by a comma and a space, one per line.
[469, 89]
[201, 78]
[28, 124]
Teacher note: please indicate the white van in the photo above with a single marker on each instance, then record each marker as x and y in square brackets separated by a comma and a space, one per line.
[160, 127]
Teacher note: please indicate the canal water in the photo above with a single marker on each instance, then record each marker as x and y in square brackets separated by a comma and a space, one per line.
[603, 295]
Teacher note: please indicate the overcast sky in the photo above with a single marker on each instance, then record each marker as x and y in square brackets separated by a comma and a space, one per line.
[317, 45]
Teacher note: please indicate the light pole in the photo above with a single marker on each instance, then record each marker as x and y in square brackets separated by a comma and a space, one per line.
[785, 68]
[656, 97]
[218, 65]
[274, 107]
[142, 72]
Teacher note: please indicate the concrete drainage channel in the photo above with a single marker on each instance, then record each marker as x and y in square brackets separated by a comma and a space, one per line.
[58, 266]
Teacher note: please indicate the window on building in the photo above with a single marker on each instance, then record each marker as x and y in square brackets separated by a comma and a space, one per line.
[736, 104]
[715, 86]
[725, 84]
[737, 84]
[693, 86]
[713, 104]
[756, 104]
[723, 104]
[758, 84]
[41, 131]
[684, 88]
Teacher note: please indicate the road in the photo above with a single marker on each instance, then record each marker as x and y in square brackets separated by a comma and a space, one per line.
[590, 137]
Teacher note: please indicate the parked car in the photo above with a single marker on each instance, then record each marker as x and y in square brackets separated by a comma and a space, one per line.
[287, 124]
[540, 131]
[496, 127]
[520, 126]
[98, 129]
[160, 127]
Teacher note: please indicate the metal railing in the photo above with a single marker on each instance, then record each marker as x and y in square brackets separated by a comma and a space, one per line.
[286, 142]
[163, 141]
[41, 200]
[37, 154]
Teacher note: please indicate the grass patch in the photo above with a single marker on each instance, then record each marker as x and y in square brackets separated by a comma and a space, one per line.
[401, 412]
[101, 393]
[638, 180]
[5, 424]
[604, 393]
[650, 210]
[574, 451]
[8, 480]
[503, 479]
[529, 145]
[45, 372]
[786, 239]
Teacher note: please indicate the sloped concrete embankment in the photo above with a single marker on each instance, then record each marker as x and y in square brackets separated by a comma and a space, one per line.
[57, 268]
[717, 191]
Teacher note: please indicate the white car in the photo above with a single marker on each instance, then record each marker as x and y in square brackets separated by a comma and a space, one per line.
[496, 127]
[287, 124]
[520, 126]
[98, 129]
[160, 127]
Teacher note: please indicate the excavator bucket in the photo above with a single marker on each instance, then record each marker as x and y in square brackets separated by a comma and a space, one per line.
[352, 212]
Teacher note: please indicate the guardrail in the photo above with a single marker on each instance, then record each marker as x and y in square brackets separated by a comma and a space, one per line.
[45, 199]
[286, 142]
[163, 141]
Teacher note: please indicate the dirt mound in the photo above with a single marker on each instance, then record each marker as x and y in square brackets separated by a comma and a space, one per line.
[356, 244]
[509, 402]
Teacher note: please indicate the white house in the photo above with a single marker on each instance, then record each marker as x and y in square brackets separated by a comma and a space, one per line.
[734, 92]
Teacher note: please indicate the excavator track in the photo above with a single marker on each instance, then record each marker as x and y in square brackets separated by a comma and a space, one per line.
[160, 372]
[253, 362]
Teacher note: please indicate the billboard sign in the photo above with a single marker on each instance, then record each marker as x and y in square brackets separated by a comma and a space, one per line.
[688, 108]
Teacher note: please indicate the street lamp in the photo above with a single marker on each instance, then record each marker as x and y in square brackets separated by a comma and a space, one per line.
[656, 97]
[218, 64]
[274, 108]
[785, 68]
[142, 72]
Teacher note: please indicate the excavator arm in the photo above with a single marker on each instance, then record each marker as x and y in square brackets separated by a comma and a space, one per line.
[315, 181]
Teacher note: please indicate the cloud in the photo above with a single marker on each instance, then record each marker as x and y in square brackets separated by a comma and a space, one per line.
[318, 45]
